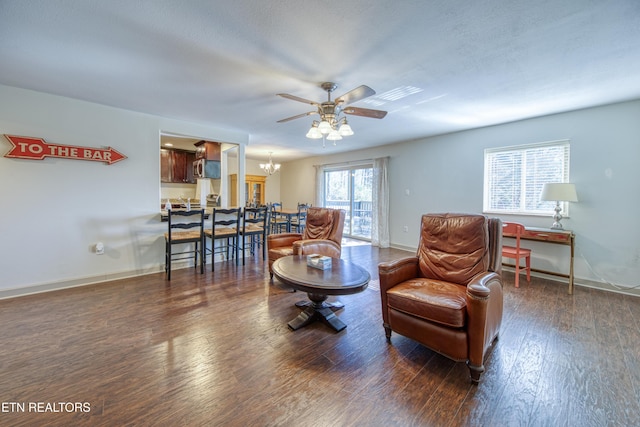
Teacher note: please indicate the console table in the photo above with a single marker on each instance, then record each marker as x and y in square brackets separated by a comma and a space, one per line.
[549, 235]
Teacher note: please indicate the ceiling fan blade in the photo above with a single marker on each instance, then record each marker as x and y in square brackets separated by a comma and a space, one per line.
[354, 95]
[297, 117]
[297, 98]
[365, 112]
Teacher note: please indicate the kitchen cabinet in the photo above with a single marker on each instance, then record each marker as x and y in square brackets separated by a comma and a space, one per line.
[177, 166]
[165, 165]
[253, 189]
[208, 150]
[207, 163]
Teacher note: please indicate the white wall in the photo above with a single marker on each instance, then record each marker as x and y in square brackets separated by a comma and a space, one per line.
[55, 210]
[445, 174]
[177, 190]
[272, 186]
[272, 189]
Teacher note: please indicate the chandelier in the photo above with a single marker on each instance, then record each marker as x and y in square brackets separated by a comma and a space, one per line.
[270, 168]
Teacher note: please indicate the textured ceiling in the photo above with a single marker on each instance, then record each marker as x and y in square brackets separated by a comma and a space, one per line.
[222, 62]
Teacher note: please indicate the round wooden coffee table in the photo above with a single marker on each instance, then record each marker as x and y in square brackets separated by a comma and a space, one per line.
[343, 278]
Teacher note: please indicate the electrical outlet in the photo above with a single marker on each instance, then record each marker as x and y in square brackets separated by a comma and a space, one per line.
[405, 228]
[99, 248]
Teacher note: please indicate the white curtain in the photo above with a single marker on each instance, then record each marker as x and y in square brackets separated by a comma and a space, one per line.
[380, 220]
[319, 202]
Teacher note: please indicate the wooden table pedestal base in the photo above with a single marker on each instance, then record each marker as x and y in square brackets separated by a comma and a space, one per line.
[318, 309]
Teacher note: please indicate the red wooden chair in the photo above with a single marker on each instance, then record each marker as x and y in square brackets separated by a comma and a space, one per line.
[516, 252]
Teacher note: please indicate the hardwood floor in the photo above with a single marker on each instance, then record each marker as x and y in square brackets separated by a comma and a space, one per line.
[215, 350]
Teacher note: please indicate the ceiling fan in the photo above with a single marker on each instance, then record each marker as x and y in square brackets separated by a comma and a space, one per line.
[331, 124]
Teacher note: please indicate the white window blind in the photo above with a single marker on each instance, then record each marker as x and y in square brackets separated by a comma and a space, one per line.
[514, 177]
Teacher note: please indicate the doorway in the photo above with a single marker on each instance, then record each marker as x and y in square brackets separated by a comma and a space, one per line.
[351, 189]
[180, 183]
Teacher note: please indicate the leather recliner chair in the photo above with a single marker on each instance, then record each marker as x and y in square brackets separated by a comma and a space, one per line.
[322, 235]
[449, 296]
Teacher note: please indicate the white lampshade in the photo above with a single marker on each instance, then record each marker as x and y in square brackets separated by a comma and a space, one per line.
[334, 136]
[314, 133]
[345, 130]
[324, 127]
[559, 192]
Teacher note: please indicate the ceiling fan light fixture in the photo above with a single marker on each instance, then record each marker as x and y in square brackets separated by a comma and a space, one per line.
[333, 125]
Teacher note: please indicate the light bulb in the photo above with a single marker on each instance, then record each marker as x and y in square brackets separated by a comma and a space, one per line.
[324, 127]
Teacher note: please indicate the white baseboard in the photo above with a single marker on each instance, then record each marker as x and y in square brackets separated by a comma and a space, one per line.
[92, 280]
[577, 281]
[77, 282]
[405, 248]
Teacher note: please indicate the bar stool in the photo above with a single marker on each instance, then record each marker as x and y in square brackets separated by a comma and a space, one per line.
[184, 227]
[225, 228]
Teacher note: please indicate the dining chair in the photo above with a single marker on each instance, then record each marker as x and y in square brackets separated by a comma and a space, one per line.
[277, 222]
[517, 252]
[299, 221]
[183, 228]
[225, 229]
[255, 226]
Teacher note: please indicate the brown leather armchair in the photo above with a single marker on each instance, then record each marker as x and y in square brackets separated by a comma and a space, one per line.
[449, 296]
[322, 235]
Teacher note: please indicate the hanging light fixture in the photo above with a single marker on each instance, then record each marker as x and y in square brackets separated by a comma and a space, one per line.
[333, 125]
[270, 168]
[330, 127]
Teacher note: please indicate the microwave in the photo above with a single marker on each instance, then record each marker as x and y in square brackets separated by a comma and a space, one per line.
[206, 169]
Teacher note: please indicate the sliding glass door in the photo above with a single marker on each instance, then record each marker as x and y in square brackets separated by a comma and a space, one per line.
[351, 189]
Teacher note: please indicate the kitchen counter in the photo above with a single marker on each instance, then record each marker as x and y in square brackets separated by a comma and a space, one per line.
[164, 215]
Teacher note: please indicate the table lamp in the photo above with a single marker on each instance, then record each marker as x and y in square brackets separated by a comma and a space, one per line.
[558, 192]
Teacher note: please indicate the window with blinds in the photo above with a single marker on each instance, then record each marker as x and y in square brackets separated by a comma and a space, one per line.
[514, 176]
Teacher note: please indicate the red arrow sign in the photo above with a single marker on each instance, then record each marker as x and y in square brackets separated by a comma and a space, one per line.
[37, 149]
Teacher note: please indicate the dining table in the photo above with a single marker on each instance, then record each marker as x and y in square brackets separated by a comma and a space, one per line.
[288, 213]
